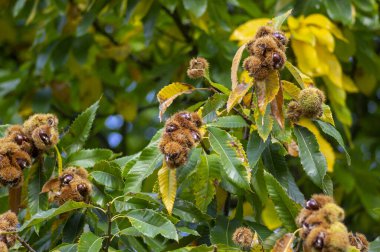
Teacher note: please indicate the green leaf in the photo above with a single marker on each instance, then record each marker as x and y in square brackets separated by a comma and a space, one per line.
[270, 241]
[64, 247]
[264, 123]
[78, 133]
[233, 121]
[340, 10]
[36, 202]
[89, 242]
[150, 223]
[3, 129]
[276, 164]
[223, 230]
[286, 208]
[46, 215]
[212, 105]
[88, 158]
[18, 7]
[198, 8]
[232, 156]
[187, 211]
[107, 174]
[189, 168]
[313, 161]
[150, 159]
[255, 148]
[73, 227]
[188, 231]
[203, 185]
[279, 20]
[374, 245]
[331, 131]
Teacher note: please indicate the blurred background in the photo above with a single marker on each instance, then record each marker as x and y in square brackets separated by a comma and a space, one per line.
[61, 56]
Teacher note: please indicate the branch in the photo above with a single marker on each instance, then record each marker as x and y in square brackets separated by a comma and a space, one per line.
[25, 244]
[109, 235]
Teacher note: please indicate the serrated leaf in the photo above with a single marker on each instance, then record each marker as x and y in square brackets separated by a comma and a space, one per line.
[150, 223]
[168, 186]
[204, 188]
[36, 202]
[255, 148]
[237, 94]
[312, 160]
[89, 242]
[291, 89]
[270, 241]
[302, 79]
[168, 93]
[46, 215]
[223, 230]
[187, 211]
[286, 208]
[327, 115]
[64, 247]
[233, 121]
[276, 108]
[235, 67]
[266, 90]
[279, 20]
[374, 245]
[88, 158]
[74, 139]
[149, 160]
[108, 174]
[324, 145]
[212, 105]
[264, 123]
[331, 131]
[340, 10]
[189, 168]
[232, 155]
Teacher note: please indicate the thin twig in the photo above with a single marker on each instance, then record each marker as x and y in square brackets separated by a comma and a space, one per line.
[109, 217]
[25, 244]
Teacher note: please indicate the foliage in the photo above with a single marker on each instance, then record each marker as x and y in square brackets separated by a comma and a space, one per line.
[61, 56]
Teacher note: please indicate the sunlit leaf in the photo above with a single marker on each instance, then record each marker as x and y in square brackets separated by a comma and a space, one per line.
[232, 156]
[233, 121]
[312, 160]
[291, 89]
[279, 20]
[235, 67]
[212, 105]
[74, 139]
[89, 242]
[331, 131]
[327, 115]
[255, 148]
[88, 158]
[276, 108]
[46, 215]
[324, 145]
[340, 10]
[167, 94]
[302, 79]
[323, 22]
[334, 69]
[237, 95]
[247, 31]
[264, 123]
[267, 90]
[168, 186]
[150, 223]
[270, 217]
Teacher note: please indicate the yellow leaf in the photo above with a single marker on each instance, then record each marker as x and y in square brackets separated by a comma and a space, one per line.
[237, 95]
[304, 34]
[307, 58]
[324, 37]
[235, 66]
[324, 146]
[168, 186]
[284, 244]
[291, 89]
[323, 22]
[334, 69]
[245, 78]
[247, 31]
[294, 23]
[167, 94]
[327, 115]
[267, 90]
[302, 79]
[349, 85]
[276, 108]
[221, 197]
[269, 216]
